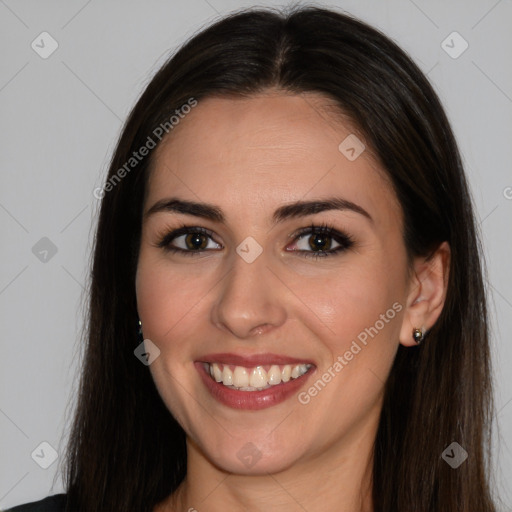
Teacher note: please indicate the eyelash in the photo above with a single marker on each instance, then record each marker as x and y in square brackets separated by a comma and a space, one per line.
[343, 239]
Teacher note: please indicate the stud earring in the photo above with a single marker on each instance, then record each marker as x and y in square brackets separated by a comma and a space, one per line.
[139, 331]
[417, 335]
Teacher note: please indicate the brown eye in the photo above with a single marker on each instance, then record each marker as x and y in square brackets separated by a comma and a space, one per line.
[196, 241]
[188, 241]
[320, 242]
[316, 241]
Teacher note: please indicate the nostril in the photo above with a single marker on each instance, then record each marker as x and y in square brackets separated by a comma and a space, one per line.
[260, 329]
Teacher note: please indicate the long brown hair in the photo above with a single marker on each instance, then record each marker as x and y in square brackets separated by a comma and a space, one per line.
[126, 452]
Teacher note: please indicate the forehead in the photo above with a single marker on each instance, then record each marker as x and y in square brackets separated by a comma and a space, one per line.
[267, 149]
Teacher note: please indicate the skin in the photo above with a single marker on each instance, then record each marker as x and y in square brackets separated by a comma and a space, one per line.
[249, 157]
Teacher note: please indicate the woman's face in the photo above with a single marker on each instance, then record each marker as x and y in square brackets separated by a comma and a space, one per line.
[251, 294]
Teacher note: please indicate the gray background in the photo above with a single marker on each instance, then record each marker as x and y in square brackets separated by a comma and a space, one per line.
[60, 118]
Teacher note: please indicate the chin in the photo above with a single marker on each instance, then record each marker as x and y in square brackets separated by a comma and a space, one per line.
[253, 455]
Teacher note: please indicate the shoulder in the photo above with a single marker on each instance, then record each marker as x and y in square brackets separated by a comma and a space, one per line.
[56, 503]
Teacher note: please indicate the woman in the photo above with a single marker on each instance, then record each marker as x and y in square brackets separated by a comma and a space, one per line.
[287, 308]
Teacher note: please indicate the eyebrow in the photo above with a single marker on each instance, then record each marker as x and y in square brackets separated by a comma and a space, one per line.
[288, 211]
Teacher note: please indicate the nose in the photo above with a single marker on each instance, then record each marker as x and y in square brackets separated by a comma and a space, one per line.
[251, 300]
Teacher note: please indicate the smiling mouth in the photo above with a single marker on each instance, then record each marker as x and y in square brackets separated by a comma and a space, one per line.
[256, 378]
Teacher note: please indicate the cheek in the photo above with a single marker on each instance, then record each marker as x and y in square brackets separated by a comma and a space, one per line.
[363, 313]
[354, 300]
[166, 300]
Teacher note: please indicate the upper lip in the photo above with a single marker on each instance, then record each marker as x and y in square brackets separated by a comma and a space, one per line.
[252, 360]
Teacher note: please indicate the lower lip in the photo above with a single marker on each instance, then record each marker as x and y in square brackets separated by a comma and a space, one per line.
[252, 400]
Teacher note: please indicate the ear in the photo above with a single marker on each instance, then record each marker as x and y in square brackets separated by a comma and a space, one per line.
[427, 293]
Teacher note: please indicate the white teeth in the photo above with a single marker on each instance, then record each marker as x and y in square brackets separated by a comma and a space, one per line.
[240, 376]
[274, 375]
[227, 376]
[217, 374]
[256, 378]
[299, 370]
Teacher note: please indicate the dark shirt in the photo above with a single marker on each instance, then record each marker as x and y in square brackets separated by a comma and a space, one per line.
[56, 503]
